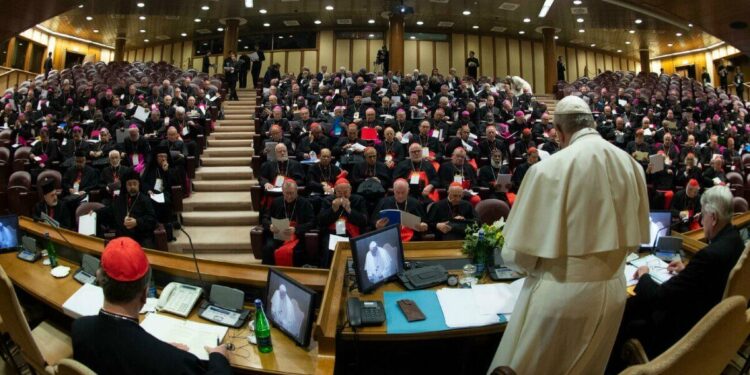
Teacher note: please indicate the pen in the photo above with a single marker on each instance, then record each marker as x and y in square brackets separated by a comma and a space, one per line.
[218, 341]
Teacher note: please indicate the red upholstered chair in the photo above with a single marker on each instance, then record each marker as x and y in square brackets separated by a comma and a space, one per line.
[45, 175]
[312, 242]
[746, 163]
[21, 199]
[736, 184]
[739, 204]
[491, 210]
[5, 138]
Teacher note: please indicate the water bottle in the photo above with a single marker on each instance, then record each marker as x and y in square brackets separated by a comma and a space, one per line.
[262, 329]
[313, 155]
[51, 252]
[152, 289]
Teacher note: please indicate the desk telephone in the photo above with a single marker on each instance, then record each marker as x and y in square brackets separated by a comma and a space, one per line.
[178, 299]
[364, 313]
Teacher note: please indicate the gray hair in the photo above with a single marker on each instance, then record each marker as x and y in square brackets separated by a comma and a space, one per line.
[180, 110]
[573, 122]
[718, 201]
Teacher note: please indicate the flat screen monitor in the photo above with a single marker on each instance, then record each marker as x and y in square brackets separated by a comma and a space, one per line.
[9, 233]
[378, 257]
[289, 306]
[659, 225]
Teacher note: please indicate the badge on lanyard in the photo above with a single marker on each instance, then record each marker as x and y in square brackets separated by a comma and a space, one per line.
[76, 186]
[340, 227]
[425, 152]
[134, 159]
[356, 115]
[158, 185]
[414, 179]
[458, 178]
[279, 181]
[388, 158]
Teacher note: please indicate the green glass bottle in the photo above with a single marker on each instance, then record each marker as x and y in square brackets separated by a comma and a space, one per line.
[262, 329]
[51, 252]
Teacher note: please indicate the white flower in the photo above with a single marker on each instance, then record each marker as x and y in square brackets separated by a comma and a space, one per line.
[499, 224]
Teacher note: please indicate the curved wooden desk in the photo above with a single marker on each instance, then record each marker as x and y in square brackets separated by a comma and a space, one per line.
[694, 240]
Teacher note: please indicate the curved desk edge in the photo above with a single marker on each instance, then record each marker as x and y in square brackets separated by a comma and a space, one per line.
[693, 241]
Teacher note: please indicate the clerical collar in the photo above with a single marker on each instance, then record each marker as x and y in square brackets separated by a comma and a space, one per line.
[112, 315]
[582, 133]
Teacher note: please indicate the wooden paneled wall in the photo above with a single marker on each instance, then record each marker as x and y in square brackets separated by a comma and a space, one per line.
[58, 45]
[701, 59]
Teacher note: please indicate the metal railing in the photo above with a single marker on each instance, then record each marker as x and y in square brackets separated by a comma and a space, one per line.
[12, 77]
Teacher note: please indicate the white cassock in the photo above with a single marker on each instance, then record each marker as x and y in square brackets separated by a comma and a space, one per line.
[377, 267]
[518, 84]
[576, 216]
[286, 312]
[6, 237]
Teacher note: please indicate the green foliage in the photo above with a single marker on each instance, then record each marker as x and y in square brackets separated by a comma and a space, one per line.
[481, 240]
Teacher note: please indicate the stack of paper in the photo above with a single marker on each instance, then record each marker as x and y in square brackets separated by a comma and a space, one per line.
[192, 334]
[480, 305]
[86, 301]
[657, 267]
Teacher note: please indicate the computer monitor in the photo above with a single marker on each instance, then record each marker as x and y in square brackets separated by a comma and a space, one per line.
[9, 233]
[659, 225]
[289, 306]
[378, 257]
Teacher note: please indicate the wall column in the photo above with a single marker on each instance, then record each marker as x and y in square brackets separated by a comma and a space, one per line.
[645, 63]
[231, 33]
[550, 62]
[120, 48]
[396, 52]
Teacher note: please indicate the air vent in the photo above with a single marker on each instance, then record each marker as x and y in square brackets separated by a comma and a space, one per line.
[509, 6]
[162, 37]
[203, 31]
[440, 1]
[498, 29]
[579, 10]
[288, 1]
[172, 18]
[576, 41]
[291, 23]
[344, 21]
[117, 16]
[445, 24]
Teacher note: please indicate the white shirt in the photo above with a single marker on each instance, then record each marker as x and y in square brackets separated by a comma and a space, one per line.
[286, 312]
[378, 265]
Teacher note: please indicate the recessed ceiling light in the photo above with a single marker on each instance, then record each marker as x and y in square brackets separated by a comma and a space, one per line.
[522, 32]
[619, 51]
[526, 20]
[628, 42]
[371, 35]
[466, 12]
[239, 40]
[593, 44]
[577, 2]
[281, 37]
[580, 20]
[266, 24]
[142, 18]
[669, 44]
[143, 31]
[205, 7]
[638, 21]
[371, 21]
[220, 29]
[145, 40]
[581, 31]
[89, 18]
[632, 31]
[80, 6]
[678, 34]
[690, 25]
[96, 30]
[183, 34]
[557, 37]
[412, 37]
[317, 22]
[420, 23]
[197, 20]
[140, 5]
[262, 11]
[246, 47]
[475, 27]
[329, 7]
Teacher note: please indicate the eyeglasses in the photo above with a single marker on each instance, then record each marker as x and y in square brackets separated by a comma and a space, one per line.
[371, 156]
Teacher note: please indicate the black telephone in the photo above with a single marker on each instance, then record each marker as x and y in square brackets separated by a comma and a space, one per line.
[364, 313]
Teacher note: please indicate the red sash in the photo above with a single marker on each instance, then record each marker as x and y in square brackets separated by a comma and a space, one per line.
[668, 195]
[694, 224]
[434, 195]
[473, 163]
[406, 234]
[284, 255]
[434, 162]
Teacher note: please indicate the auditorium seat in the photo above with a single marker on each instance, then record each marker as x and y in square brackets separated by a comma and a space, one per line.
[739, 204]
[21, 199]
[21, 159]
[312, 242]
[491, 210]
[738, 283]
[736, 184]
[69, 366]
[5, 170]
[46, 175]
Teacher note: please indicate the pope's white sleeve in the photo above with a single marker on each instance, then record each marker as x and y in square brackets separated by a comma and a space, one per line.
[518, 261]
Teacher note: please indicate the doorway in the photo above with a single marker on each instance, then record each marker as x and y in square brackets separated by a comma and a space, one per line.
[37, 57]
[73, 58]
[686, 71]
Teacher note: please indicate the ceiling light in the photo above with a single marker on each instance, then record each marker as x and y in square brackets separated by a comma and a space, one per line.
[317, 22]
[205, 7]
[89, 18]
[371, 35]
[475, 27]
[581, 31]
[619, 51]
[545, 8]
[557, 37]
[183, 34]
[239, 40]
[220, 29]
[96, 30]
[420, 23]
[690, 25]
[140, 5]
[678, 34]
[262, 11]
[248, 3]
[142, 18]
[145, 40]
[329, 7]
[522, 32]
[281, 37]
[412, 37]
[628, 42]
[466, 12]
[197, 20]
[266, 24]
[593, 44]
[669, 44]
[143, 31]
[580, 20]
[632, 31]
[80, 6]
[370, 21]
[526, 20]
[638, 21]
[246, 47]
[577, 2]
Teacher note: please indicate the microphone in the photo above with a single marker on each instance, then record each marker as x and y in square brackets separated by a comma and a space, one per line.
[195, 259]
[57, 229]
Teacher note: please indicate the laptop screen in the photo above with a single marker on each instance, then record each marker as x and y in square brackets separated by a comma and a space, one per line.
[659, 225]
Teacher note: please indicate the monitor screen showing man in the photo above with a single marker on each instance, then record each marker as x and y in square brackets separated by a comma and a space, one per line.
[8, 232]
[289, 306]
[378, 256]
[659, 222]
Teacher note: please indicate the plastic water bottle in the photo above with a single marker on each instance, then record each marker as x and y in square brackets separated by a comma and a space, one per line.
[262, 329]
[51, 252]
[313, 155]
[152, 289]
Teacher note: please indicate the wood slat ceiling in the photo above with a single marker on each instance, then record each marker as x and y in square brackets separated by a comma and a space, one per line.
[606, 25]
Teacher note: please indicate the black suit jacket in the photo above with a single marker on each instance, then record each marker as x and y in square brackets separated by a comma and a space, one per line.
[89, 179]
[113, 216]
[443, 211]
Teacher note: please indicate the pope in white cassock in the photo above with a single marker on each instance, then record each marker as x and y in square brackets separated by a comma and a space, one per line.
[7, 236]
[285, 311]
[378, 263]
[576, 216]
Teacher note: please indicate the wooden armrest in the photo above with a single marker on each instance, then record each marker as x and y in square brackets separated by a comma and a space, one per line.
[312, 245]
[633, 353]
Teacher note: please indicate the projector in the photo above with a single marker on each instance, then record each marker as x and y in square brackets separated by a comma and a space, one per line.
[402, 9]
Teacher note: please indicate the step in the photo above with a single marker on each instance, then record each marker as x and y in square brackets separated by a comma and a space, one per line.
[240, 111]
[226, 161]
[234, 128]
[213, 201]
[240, 122]
[224, 239]
[231, 135]
[226, 185]
[220, 218]
[230, 143]
[247, 103]
[237, 116]
[224, 173]
[224, 152]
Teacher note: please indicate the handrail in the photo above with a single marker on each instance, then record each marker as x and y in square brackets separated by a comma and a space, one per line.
[13, 77]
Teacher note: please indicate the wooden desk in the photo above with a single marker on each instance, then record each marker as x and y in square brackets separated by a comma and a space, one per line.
[694, 240]
[287, 357]
[332, 313]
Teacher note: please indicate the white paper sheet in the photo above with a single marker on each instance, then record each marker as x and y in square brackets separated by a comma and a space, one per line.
[141, 114]
[87, 224]
[281, 225]
[193, 334]
[657, 163]
[334, 239]
[503, 180]
[158, 198]
[657, 267]
[460, 309]
[410, 220]
[86, 301]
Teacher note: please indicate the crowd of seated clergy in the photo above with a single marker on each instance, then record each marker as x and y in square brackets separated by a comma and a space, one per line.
[118, 133]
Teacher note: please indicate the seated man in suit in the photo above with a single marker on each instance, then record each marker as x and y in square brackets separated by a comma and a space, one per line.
[343, 214]
[113, 342]
[458, 170]
[532, 157]
[81, 178]
[299, 212]
[714, 175]
[686, 206]
[45, 152]
[371, 168]
[72, 145]
[448, 217]
[131, 214]
[273, 173]
[489, 175]
[111, 175]
[315, 141]
[391, 151]
[52, 206]
[419, 173]
[400, 201]
[660, 314]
